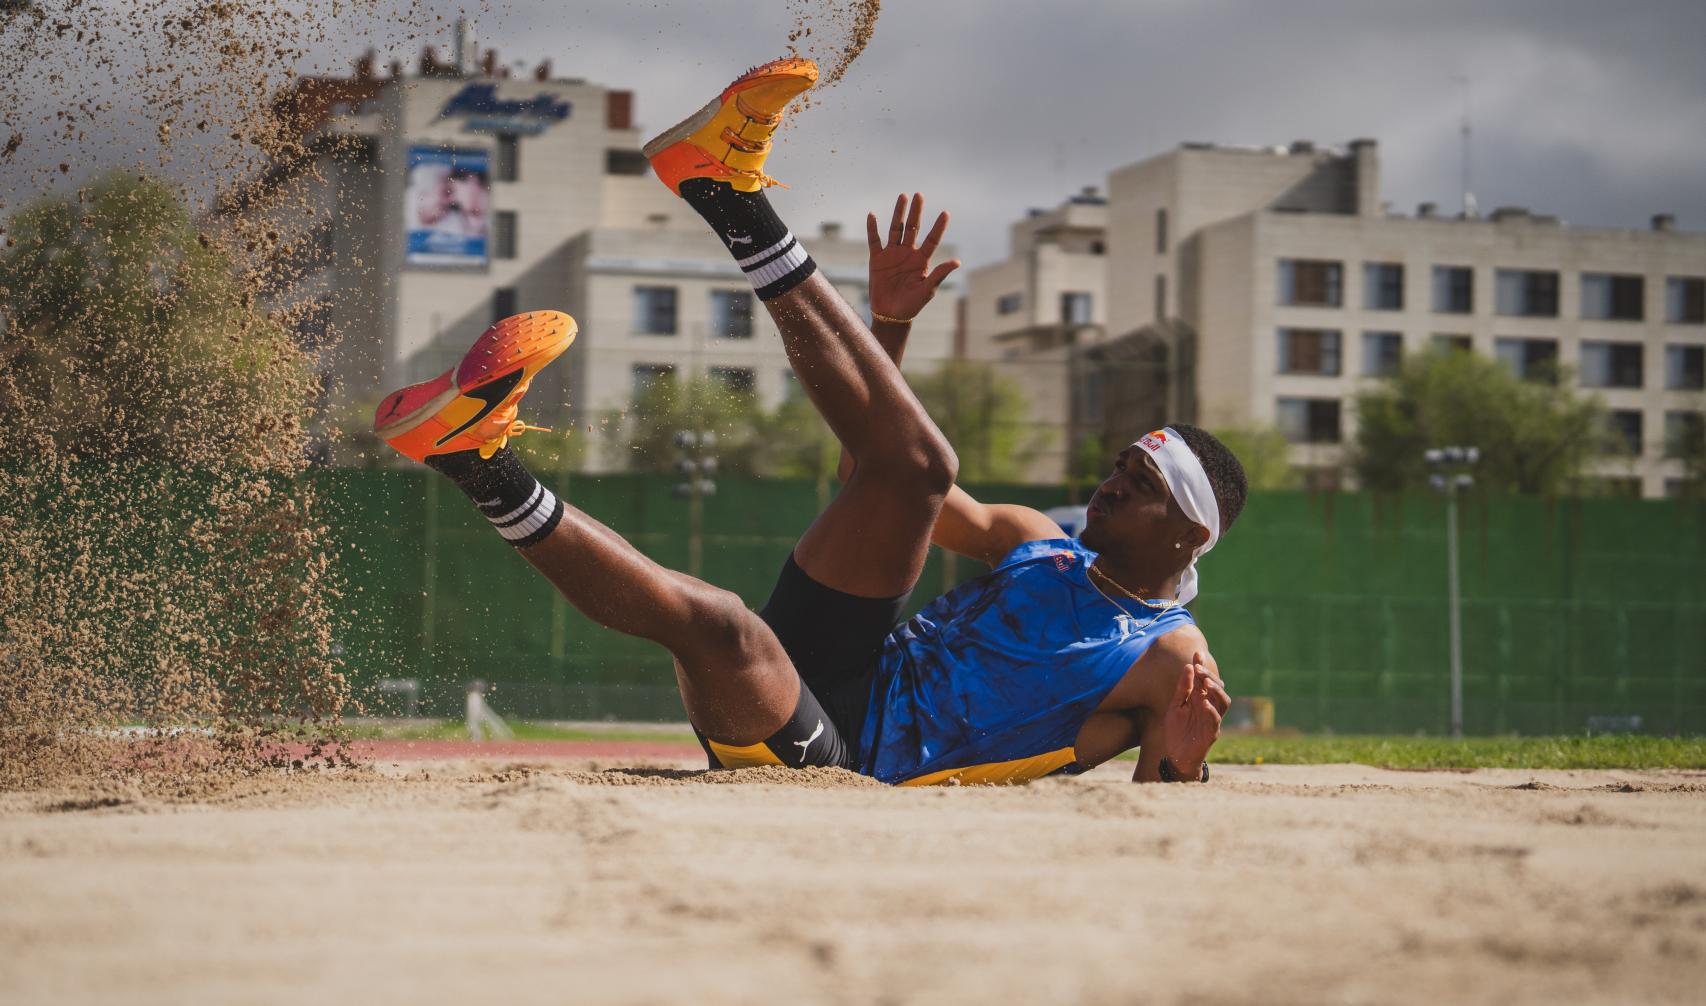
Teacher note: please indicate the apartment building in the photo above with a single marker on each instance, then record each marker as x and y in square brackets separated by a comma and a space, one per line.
[1276, 285]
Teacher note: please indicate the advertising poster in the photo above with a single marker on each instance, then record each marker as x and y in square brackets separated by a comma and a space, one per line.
[446, 206]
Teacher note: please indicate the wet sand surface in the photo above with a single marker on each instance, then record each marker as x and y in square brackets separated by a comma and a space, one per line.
[485, 879]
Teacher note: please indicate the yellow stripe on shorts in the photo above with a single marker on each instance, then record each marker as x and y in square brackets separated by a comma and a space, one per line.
[1001, 773]
[751, 756]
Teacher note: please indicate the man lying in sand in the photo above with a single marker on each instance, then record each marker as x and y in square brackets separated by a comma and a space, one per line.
[1066, 654]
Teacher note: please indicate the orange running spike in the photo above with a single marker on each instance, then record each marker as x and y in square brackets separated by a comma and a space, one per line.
[472, 406]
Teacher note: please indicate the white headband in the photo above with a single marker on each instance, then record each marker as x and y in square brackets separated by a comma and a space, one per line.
[1185, 477]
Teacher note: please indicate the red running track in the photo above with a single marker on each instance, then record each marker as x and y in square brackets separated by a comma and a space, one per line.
[422, 750]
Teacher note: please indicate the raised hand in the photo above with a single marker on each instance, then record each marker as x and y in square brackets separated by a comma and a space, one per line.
[1191, 723]
[902, 281]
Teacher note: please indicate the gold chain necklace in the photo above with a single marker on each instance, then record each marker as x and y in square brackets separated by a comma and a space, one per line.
[1110, 581]
[1140, 626]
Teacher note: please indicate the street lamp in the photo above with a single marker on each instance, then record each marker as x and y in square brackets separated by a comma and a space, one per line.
[1451, 477]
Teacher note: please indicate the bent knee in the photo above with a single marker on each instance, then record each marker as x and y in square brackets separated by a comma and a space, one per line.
[930, 465]
[723, 622]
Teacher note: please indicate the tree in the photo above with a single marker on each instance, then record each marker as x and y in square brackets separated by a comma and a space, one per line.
[1535, 437]
[798, 443]
[656, 414]
[1265, 454]
[985, 416]
[129, 335]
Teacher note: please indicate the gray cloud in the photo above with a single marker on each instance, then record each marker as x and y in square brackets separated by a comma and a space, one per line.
[1593, 111]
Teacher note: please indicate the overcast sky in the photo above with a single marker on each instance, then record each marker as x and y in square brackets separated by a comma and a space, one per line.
[1592, 110]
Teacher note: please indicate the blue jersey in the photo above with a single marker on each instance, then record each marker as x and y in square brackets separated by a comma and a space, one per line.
[992, 681]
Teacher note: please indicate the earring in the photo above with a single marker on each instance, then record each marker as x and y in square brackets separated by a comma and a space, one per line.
[1177, 545]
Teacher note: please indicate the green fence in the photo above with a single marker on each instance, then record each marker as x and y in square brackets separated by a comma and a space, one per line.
[1331, 604]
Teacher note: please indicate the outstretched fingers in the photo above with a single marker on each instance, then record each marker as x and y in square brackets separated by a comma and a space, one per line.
[898, 221]
[914, 218]
[934, 238]
[872, 238]
[941, 272]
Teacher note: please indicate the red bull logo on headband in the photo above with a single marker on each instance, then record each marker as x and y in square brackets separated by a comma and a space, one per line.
[1153, 441]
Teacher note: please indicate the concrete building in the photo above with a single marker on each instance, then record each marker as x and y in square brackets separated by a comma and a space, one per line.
[1032, 311]
[1274, 284]
[439, 201]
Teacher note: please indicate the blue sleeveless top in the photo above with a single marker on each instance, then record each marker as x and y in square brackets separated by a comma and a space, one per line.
[991, 682]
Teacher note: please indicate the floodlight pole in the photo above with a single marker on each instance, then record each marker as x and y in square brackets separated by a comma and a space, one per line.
[1451, 478]
[1456, 615]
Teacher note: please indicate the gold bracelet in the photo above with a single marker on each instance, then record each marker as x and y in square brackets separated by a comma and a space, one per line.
[892, 321]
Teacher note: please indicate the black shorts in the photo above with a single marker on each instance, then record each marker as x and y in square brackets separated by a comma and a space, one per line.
[834, 640]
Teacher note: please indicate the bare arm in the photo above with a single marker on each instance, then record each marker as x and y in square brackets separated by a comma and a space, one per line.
[902, 283]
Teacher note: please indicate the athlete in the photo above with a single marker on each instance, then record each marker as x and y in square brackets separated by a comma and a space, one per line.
[1066, 654]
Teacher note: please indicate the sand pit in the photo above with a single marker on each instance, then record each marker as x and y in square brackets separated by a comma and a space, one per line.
[487, 881]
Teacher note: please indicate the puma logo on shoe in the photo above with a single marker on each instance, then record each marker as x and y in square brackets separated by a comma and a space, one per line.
[490, 396]
[802, 745]
[396, 403]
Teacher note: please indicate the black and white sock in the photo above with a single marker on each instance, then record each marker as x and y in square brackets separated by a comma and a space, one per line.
[773, 260]
[522, 509]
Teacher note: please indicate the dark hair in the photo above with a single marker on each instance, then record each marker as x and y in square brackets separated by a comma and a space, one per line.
[1225, 475]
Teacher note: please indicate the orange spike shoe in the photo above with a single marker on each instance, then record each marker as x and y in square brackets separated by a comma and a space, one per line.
[729, 138]
[472, 406]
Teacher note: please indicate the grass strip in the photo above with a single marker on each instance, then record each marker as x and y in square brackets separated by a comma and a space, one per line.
[1611, 752]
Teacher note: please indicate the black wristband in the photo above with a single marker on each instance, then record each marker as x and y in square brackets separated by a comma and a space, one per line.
[1171, 774]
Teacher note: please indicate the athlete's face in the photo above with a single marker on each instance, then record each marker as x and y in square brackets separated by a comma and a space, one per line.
[1134, 519]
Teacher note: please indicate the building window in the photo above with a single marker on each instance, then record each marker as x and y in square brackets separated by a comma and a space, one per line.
[1383, 286]
[1685, 434]
[503, 234]
[1526, 293]
[654, 310]
[1606, 297]
[624, 162]
[1309, 351]
[1310, 283]
[1685, 300]
[1161, 231]
[1075, 308]
[1309, 420]
[506, 165]
[1160, 298]
[649, 375]
[1009, 303]
[1451, 343]
[734, 380]
[1382, 353]
[731, 314]
[1623, 431]
[1611, 364]
[1685, 368]
[1454, 289]
[503, 303]
[1529, 359]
